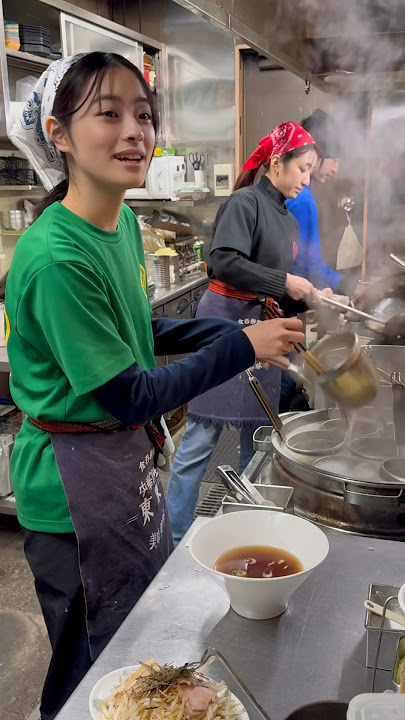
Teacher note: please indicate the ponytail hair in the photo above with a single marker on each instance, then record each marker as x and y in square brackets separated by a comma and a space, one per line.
[244, 179]
[56, 195]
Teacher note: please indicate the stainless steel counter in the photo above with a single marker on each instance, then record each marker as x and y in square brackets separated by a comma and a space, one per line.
[4, 365]
[164, 296]
[315, 651]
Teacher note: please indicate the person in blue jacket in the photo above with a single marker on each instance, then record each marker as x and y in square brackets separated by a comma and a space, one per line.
[308, 262]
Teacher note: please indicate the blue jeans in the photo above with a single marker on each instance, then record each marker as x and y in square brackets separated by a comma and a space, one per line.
[189, 466]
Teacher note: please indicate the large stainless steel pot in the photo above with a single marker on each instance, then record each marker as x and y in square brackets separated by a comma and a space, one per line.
[374, 506]
[371, 506]
[322, 506]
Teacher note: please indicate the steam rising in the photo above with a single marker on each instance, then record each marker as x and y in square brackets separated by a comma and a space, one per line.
[366, 38]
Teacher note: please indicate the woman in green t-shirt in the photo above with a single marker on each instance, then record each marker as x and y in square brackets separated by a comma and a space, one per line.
[81, 345]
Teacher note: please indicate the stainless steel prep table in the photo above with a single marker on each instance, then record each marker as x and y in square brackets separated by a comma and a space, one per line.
[186, 285]
[315, 651]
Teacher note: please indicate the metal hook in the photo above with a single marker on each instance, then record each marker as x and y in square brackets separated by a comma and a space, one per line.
[307, 87]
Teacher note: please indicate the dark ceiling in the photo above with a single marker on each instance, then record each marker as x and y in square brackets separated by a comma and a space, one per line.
[314, 38]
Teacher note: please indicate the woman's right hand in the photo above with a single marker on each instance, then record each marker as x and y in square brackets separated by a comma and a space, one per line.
[272, 338]
[298, 288]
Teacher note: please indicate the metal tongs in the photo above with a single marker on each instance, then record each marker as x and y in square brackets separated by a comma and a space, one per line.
[266, 404]
[211, 652]
[350, 309]
[240, 485]
[398, 260]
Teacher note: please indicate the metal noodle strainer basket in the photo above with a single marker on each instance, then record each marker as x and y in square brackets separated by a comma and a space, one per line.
[349, 376]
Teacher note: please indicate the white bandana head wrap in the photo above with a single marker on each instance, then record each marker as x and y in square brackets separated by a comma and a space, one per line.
[28, 132]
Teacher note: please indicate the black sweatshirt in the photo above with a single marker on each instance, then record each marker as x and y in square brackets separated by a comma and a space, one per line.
[253, 243]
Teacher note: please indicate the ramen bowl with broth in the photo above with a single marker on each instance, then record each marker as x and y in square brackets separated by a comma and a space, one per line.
[232, 541]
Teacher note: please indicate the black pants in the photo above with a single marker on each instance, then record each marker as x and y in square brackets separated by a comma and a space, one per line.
[53, 559]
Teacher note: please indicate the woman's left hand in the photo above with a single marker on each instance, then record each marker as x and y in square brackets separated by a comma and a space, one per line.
[327, 292]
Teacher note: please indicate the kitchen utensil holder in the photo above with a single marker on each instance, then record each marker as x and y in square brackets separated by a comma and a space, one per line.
[380, 634]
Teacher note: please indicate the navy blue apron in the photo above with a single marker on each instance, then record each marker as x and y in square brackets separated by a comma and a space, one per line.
[120, 518]
[233, 402]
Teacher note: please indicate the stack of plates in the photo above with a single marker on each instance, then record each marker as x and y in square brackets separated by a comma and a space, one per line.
[35, 39]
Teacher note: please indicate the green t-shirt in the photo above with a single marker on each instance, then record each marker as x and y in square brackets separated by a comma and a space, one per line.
[79, 314]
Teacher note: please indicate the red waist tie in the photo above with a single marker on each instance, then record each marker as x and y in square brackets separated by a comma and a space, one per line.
[108, 425]
[222, 288]
[59, 426]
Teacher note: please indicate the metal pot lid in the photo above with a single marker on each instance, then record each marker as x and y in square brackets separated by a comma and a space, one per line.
[323, 473]
[394, 469]
[373, 447]
[316, 441]
[344, 465]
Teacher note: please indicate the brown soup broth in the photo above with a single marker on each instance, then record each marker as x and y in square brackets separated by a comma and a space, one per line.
[258, 561]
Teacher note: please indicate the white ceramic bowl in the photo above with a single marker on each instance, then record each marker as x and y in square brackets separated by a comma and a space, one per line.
[259, 598]
[401, 598]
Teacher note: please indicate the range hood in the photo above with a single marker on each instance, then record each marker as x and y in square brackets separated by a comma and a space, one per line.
[337, 45]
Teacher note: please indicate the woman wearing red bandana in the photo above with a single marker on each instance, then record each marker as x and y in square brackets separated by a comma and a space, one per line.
[254, 244]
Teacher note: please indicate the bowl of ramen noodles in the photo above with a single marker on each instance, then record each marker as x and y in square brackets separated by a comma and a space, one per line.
[259, 559]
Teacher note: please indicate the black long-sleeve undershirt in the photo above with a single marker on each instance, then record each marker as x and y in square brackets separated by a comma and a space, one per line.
[221, 350]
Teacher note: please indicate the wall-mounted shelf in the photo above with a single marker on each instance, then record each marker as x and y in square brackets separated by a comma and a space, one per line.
[4, 233]
[167, 203]
[27, 61]
[20, 188]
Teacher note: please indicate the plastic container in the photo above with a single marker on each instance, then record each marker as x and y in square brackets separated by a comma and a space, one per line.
[13, 219]
[36, 49]
[11, 35]
[377, 706]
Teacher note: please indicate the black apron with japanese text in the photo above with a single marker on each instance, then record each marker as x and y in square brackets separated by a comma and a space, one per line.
[233, 402]
[120, 518]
